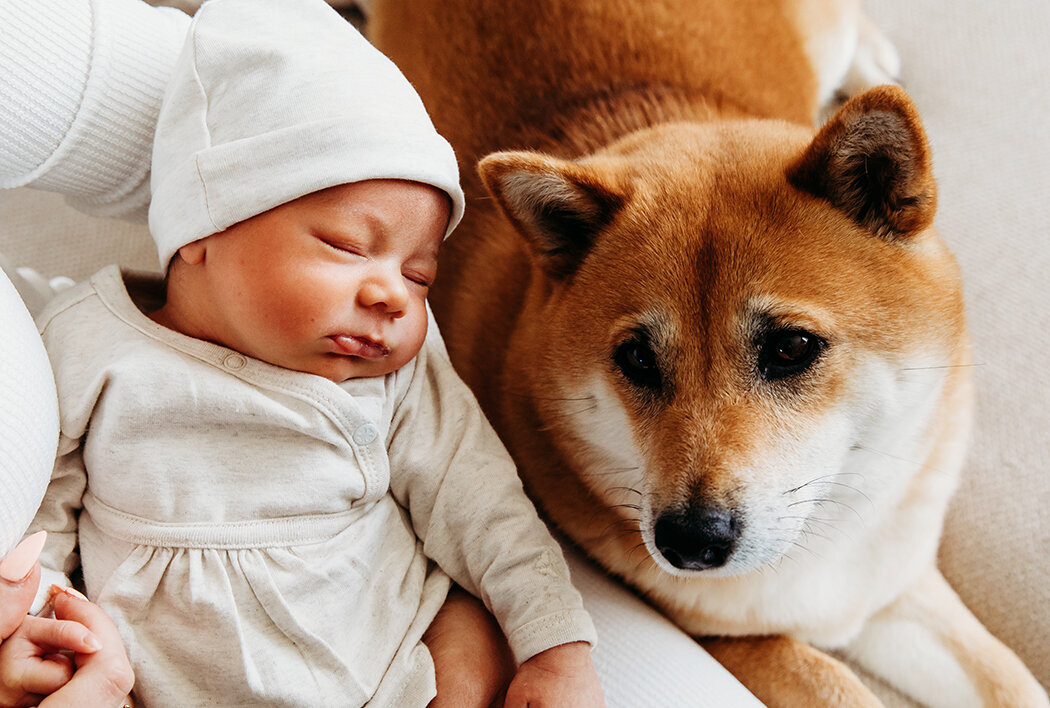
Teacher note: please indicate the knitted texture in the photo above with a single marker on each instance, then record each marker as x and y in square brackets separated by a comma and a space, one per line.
[81, 95]
[28, 418]
[272, 100]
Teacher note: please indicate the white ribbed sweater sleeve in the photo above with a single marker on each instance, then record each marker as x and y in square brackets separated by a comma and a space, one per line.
[82, 83]
[28, 418]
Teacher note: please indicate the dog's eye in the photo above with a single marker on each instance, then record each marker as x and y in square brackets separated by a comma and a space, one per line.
[637, 362]
[787, 352]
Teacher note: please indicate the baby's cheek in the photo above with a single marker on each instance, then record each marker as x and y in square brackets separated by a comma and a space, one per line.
[289, 323]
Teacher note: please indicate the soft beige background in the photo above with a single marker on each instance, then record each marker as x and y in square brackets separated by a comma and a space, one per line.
[978, 71]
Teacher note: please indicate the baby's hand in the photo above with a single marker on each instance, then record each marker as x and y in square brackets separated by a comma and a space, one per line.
[31, 660]
[561, 676]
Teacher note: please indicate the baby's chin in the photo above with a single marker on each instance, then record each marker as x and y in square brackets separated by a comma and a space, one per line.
[339, 368]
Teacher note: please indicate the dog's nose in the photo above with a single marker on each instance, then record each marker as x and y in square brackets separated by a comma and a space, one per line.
[696, 538]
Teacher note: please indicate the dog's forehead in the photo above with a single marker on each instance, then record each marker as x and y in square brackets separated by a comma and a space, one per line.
[694, 159]
[718, 198]
[716, 234]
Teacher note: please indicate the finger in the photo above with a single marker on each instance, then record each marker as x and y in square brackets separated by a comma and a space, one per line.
[60, 634]
[102, 678]
[94, 684]
[25, 670]
[45, 676]
[70, 605]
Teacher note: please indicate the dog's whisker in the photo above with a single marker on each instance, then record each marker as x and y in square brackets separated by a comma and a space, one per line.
[556, 417]
[944, 366]
[806, 548]
[810, 532]
[618, 522]
[826, 523]
[826, 500]
[823, 476]
[852, 488]
[805, 518]
[547, 398]
[615, 470]
[891, 456]
[567, 413]
[645, 557]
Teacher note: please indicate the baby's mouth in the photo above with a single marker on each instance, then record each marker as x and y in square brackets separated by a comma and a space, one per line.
[353, 345]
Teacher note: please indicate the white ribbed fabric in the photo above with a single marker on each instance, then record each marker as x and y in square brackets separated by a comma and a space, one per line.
[81, 90]
[272, 100]
[28, 418]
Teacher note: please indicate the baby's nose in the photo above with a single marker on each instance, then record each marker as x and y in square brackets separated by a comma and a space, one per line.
[385, 290]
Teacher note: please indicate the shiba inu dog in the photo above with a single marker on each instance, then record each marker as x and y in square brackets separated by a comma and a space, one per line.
[726, 349]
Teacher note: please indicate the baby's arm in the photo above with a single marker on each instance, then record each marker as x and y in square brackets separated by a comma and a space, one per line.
[472, 661]
[466, 503]
[474, 664]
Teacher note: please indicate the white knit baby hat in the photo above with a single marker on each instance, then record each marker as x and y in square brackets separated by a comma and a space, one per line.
[274, 99]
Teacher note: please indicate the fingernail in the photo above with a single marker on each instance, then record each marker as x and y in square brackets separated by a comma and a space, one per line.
[92, 643]
[69, 591]
[19, 563]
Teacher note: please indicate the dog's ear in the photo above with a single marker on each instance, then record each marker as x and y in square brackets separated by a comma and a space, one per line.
[558, 205]
[872, 161]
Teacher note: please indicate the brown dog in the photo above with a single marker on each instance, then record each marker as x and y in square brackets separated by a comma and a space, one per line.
[728, 355]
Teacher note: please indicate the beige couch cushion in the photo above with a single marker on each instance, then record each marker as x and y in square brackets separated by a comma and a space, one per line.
[978, 73]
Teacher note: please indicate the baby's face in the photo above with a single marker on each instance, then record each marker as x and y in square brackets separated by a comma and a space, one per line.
[333, 283]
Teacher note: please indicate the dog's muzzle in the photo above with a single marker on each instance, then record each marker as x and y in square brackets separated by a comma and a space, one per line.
[697, 537]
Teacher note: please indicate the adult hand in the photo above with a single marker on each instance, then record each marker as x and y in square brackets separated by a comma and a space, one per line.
[103, 677]
[31, 663]
[561, 676]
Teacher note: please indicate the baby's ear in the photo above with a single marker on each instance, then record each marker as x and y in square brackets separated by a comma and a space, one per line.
[193, 253]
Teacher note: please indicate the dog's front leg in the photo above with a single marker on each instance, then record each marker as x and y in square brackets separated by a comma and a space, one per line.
[928, 644]
[786, 673]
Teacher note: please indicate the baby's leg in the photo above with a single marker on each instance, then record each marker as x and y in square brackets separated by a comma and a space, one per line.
[471, 657]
